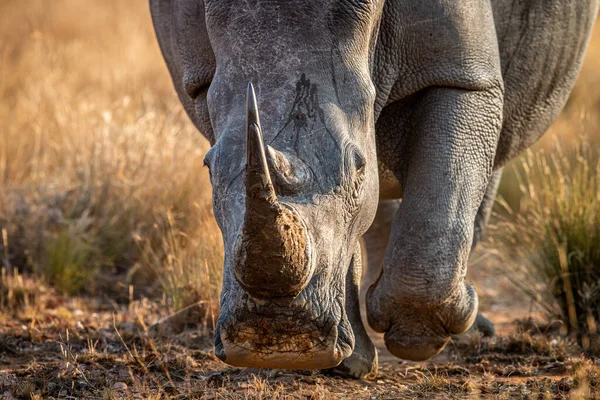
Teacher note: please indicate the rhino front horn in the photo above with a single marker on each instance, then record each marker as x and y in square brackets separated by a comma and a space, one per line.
[272, 257]
[258, 178]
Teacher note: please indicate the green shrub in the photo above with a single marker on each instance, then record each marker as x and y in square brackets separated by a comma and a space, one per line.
[69, 262]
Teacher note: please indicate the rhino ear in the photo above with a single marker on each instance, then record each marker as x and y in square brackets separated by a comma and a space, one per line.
[164, 19]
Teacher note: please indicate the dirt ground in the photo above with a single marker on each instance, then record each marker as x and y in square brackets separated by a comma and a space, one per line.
[69, 348]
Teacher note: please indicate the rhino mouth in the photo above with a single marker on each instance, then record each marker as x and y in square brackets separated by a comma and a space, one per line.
[311, 332]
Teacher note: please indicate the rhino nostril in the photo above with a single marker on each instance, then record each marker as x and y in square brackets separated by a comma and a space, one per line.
[219, 348]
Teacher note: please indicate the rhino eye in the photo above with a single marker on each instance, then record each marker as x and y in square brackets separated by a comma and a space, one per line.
[359, 161]
[354, 160]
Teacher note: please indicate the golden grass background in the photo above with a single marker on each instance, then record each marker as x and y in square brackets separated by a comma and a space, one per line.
[103, 194]
[101, 177]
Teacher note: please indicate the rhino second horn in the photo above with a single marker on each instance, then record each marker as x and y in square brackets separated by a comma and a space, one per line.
[290, 175]
[272, 251]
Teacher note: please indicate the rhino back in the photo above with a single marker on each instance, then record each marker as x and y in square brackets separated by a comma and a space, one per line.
[542, 44]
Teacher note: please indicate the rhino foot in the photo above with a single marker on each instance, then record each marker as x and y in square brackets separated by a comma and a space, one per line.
[360, 365]
[481, 325]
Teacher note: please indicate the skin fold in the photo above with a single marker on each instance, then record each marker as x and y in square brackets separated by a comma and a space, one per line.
[354, 102]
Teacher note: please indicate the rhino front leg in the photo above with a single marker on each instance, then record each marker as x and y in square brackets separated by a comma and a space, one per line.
[363, 360]
[421, 297]
[377, 237]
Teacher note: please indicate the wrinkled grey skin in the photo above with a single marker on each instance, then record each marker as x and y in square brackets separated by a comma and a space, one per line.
[423, 100]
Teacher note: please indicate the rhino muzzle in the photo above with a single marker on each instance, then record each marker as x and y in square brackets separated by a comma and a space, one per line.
[272, 252]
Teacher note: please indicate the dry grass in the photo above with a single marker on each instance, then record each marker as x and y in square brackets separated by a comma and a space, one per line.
[73, 349]
[100, 170]
[18, 291]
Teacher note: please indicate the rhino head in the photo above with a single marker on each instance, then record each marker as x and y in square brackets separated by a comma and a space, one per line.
[293, 164]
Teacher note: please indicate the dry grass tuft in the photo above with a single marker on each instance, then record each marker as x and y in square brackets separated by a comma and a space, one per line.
[187, 266]
[18, 292]
[431, 384]
[553, 241]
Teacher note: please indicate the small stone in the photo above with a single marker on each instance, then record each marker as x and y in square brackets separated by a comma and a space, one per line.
[119, 386]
